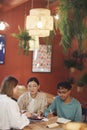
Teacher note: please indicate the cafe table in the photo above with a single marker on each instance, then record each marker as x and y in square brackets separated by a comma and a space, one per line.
[42, 125]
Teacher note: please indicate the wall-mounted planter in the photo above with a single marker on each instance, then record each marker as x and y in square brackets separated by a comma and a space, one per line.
[79, 89]
[72, 69]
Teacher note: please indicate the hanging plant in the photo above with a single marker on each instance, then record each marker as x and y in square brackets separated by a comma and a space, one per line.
[79, 55]
[23, 37]
[72, 14]
[71, 80]
[79, 88]
[73, 63]
[48, 41]
[76, 60]
[82, 80]
[70, 63]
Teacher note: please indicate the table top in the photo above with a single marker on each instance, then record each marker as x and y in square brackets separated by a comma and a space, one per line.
[42, 125]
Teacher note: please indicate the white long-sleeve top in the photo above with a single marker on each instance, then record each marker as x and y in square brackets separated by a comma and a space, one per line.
[10, 116]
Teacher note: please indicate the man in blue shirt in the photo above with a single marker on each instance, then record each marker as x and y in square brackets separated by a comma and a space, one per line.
[64, 105]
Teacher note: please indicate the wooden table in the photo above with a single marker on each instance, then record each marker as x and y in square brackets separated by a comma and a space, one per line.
[42, 125]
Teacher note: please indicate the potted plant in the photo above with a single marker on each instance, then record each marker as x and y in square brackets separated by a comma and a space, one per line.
[79, 55]
[73, 64]
[76, 60]
[82, 81]
[23, 37]
[71, 23]
[71, 80]
[48, 41]
[70, 64]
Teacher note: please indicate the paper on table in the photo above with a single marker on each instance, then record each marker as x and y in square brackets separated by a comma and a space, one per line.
[53, 125]
[63, 120]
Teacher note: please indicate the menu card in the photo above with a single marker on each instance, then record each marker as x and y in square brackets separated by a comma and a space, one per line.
[53, 125]
[63, 120]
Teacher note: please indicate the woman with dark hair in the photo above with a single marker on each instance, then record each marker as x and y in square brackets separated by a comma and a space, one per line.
[10, 116]
[33, 101]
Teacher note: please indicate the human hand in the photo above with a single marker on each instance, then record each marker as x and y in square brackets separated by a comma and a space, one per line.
[29, 114]
[50, 115]
[39, 114]
[23, 111]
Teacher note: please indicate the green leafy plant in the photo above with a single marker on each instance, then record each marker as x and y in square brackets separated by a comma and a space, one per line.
[23, 37]
[71, 24]
[71, 80]
[79, 55]
[70, 63]
[73, 63]
[82, 80]
[48, 41]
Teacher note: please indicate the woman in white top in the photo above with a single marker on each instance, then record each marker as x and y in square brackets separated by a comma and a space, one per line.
[10, 116]
[33, 101]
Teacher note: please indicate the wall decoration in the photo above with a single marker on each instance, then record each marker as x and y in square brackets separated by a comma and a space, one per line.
[2, 48]
[42, 59]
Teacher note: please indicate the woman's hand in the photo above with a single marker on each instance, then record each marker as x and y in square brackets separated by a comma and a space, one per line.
[50, 115]
[39, 114]
[29, 114]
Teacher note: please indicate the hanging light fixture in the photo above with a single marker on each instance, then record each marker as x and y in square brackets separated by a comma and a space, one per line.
[34, 42]
[3, 25]
[39, 22]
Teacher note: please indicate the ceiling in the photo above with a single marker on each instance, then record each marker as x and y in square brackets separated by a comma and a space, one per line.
[9, 4]
[6, 5]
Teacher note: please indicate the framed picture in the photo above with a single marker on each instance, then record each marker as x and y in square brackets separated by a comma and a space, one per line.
[2, 48]
[42, 59]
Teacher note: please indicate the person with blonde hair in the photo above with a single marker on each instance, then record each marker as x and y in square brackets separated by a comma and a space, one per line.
[10, 116]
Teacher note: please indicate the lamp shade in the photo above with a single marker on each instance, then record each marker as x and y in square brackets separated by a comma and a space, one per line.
[3, 25]
[39, 22]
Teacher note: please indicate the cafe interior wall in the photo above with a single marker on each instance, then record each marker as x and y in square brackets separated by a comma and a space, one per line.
[20, 66]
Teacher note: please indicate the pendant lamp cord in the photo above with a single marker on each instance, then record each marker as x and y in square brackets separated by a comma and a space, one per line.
[25, 18]
[31, 4]
[26, 14]
[48, 4]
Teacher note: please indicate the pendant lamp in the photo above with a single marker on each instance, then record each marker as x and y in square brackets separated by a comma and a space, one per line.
[3, 25]
[39, 22]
